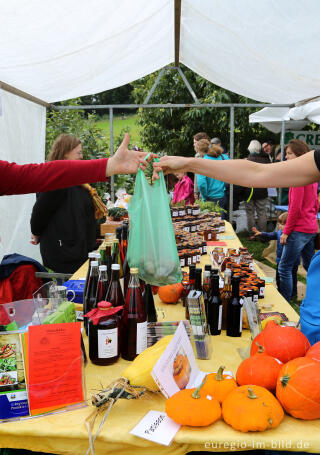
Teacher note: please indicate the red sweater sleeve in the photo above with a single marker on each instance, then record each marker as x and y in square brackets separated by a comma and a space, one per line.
[296, 196]
[37, 178]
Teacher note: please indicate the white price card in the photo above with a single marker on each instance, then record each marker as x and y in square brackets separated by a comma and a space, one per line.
[157, 427]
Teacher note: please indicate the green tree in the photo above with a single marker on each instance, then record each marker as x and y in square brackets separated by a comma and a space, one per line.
[172, 130]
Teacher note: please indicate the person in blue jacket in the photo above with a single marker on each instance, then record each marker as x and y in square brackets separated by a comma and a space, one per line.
[213, 190]
[275, 235]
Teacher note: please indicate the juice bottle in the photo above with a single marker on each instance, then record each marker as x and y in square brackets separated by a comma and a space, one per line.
[134, 320]
[114, 293]
[90, 299]
[102, 285]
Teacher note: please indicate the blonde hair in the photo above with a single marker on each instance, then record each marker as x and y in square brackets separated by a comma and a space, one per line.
[283, 218]
[202, 146]
[62, 145]
[215, 150]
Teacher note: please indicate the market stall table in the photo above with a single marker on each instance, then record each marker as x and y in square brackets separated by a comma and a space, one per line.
[65, 433]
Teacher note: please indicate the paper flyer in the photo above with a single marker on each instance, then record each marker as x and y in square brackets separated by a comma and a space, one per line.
[54, 366]
[177, 368]
[13, 391]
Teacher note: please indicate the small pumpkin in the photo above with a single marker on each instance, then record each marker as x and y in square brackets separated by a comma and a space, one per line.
[170, 293]
[219, 384]
[252, 408]
[314, 352]
[259, 369]
[193, 407]
[298, 388]
[282, 342]
[181, 370]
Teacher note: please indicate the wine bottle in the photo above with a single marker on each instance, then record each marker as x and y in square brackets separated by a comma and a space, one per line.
[124, 240]
[134, 320]
[114, 293]
[206, 286]
[148, 302]
[234, 310]
[225, 296]
[102, 285]
[215, 307]
[191, 285]
[91, 293]
[91, 257]
[116, 258]
[119, 237]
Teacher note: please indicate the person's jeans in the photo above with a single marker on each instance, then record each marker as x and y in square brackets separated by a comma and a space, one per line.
[298, 243]
[222, 203]
[294, 278]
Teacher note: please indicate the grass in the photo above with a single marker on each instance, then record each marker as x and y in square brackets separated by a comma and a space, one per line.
[119, 124]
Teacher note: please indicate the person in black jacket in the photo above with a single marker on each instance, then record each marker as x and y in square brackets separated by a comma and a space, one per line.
[63, 221]
[256, 197]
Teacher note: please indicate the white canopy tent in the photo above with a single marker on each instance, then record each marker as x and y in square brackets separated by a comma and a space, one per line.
[52, 51]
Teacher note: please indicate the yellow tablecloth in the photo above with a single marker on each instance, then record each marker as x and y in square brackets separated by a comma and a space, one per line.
[65, 433]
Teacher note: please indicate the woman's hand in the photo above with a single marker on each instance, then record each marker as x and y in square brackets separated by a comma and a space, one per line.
[283, 239]
[126, 161]
[169, 165]
[34, 239]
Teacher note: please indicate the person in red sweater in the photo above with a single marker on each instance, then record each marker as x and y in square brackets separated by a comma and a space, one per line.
[301, 226]
[34, 178]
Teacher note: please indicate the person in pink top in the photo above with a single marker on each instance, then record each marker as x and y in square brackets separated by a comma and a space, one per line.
[183, 190]
[301, 225]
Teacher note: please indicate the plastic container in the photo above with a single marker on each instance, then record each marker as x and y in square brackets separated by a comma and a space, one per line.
[78, 287]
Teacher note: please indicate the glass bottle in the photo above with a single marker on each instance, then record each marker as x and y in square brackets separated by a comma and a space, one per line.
[104, 338]
[103, 283]
[124, 240]
[148, 302]
[114, 293]
[119, 237]
[198, 280]
[225, 296]
[116, 258]
[215, 307]
[90, 298]
[206, 286]
[234, 310]
[108, 259]
[191, 285]
[91, 257]
[126, 268]
[133, 321]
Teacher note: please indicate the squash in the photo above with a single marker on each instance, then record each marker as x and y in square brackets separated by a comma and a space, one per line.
[170, 293]
[259, 369]
[219, 384]
[193, 407]
[314, 352]
[139, 371]
[252, 408]
[282, 342]
[298, 388]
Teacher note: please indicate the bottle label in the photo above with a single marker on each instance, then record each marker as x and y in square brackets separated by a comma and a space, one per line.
[220, 318]
[175, 213]
[198, 258]
[261, 291]
[141, 337]
[107, 343]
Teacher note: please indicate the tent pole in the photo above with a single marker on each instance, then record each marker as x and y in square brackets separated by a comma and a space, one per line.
[185, 80]
[177, 23]
[231, 157]
[146, 101]
[283, 132]
[111, 149]
[26, 96]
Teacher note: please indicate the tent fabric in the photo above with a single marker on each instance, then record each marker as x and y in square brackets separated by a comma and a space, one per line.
[22, 132]
[265, 50]
[296, 117]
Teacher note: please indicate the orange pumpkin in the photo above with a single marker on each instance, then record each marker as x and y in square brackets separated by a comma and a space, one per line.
[193, 407]
[170, 293]
[181, 370]
[298, 388]
[259, 369]
[252, 408]
[314, 352]
[283, 343]
[219, 384]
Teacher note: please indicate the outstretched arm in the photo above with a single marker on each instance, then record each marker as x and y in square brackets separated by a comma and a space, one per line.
[298, 172]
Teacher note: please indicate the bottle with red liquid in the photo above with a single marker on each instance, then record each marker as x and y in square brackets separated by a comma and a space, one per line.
[148, 302]
[91, 257]
[103, 284]
[90, 298]
[134, 320]
[104, 334]
[124, 239]
[126, 268]
[114, 293]
[119, 237]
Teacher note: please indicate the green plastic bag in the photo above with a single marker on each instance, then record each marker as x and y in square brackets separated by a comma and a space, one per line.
[152, 246]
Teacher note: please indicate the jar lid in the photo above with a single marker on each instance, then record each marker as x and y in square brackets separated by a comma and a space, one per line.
[134, 270]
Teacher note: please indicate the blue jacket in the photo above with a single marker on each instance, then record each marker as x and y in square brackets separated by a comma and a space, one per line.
[310, 307]
[210, 188]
